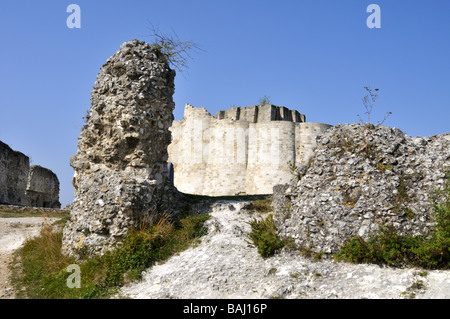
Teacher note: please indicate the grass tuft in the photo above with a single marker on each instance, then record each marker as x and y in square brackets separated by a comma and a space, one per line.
[262, 205]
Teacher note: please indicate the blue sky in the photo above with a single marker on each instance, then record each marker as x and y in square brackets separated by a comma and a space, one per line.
[312, 55]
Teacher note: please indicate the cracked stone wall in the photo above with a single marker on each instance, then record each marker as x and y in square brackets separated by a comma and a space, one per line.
[121, 172]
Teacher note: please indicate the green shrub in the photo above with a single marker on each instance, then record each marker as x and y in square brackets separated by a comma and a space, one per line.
[387, 248]
[264, 236]
[435, 251]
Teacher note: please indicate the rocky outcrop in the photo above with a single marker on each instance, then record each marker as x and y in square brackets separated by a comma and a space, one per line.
[121, 172]
[23, 185]
[363, 177]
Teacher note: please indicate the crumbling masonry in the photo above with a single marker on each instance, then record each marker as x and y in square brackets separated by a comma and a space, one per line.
[121, 164]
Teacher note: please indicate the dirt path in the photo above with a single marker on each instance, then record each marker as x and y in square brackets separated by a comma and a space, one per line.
[13, 233]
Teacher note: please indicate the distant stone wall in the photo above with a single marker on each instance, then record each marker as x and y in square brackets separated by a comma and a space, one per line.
[23, 185]
[14, 168]
[243, 150]
[42, 188]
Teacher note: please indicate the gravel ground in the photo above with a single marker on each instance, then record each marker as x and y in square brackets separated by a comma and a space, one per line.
[13, 233]
[226, 265]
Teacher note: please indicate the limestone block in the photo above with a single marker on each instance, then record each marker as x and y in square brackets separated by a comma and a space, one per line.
[249, 114]
[267, 113]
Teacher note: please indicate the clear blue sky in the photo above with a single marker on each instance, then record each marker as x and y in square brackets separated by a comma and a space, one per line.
[312, 55]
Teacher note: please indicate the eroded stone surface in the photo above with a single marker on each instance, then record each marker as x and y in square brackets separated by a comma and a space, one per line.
[360, 179]
[121, 163]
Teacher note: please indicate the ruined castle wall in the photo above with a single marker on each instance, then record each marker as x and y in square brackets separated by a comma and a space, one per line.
[346, 194]
[14, 168]
[23, 185]
[42, 188]
[227, 158]
[240, 151]
[271, 147]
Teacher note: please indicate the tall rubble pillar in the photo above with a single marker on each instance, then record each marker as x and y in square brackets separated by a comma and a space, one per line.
[121, 164]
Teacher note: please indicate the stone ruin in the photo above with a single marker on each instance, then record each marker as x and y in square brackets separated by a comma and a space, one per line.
[22, 185]
[121, 172]
[350, 189]
[14, 168]
[42, 187]
[243, 150]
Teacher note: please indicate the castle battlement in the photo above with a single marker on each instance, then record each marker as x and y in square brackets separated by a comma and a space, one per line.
[261, 113]
[243, 150]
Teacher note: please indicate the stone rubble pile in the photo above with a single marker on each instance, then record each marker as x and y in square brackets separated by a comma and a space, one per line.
[361, 178]
[121, 170]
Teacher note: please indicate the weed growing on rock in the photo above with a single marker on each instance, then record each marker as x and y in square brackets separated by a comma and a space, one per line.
[416, 286]
[176, 51]
[400, 199]
[383, 167]
[369, 102]
[264, 100]
[308, 252]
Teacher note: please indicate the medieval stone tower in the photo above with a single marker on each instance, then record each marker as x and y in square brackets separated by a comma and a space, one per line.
[243, 150]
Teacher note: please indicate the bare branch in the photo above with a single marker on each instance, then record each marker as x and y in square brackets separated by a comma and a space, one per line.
[176, 51]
